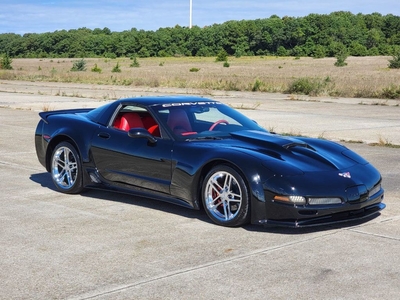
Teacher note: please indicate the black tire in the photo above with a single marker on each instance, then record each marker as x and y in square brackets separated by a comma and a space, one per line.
[225, 197]
[66, 169]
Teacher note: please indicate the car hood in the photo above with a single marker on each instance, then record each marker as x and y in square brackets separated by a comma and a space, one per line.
[295, 155]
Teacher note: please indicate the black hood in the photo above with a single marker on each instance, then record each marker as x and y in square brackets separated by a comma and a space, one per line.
[305, 154]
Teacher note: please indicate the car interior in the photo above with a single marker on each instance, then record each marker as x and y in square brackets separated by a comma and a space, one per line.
[181, 122]
[141, 119]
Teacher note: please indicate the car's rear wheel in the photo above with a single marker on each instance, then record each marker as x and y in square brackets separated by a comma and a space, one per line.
[66, 169]
[225, 197]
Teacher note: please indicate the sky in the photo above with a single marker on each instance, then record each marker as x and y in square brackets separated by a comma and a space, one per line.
[39, 16]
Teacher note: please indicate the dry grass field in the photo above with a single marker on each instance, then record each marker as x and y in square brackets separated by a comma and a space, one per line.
[363, 77]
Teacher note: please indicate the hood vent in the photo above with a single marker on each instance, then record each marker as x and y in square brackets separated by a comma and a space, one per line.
[296, 144]
[271, 140]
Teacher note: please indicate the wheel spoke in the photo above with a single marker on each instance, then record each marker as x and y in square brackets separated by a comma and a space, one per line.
[68, 177]
[216, 184]
[60, 175]
[235, 197]
[214, 201]
[66, 155]
[227, 182]
[60, 163]
[73, 166]
[226, 209]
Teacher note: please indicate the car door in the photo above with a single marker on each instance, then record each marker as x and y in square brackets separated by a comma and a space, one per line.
[134, 161]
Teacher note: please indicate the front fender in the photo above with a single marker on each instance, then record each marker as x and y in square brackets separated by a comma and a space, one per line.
[194, 164]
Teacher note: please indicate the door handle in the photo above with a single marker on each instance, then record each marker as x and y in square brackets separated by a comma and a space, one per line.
[103, 135]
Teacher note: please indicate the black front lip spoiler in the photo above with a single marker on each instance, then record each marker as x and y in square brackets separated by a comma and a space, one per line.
[346, 216]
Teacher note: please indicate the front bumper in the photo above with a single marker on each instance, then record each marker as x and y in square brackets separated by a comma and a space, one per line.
[329, 219]
[295, 216]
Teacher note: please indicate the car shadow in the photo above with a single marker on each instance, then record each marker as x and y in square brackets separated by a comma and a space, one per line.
[44, 179]
[149, 203]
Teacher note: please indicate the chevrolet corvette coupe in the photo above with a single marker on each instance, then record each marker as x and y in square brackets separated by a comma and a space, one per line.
[203, 154]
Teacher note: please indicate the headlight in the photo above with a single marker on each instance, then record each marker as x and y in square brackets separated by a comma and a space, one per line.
[324, 201]
[374, 190]
[299, 200]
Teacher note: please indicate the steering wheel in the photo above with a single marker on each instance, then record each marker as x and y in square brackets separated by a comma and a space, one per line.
[216, 123]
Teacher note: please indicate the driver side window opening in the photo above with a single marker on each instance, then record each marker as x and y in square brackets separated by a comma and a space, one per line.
[131, 116]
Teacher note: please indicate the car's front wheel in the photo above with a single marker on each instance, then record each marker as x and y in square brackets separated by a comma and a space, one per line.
[66, 169]
[225, 197]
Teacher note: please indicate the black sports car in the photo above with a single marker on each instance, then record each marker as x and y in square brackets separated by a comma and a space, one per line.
[198, 152]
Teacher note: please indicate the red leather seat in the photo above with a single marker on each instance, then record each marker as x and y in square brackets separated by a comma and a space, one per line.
[151, 125]
[178, 121]
[130, 120]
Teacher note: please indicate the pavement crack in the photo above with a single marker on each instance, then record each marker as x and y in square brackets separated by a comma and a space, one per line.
[376, 235]
[200, 267]
[358, 229]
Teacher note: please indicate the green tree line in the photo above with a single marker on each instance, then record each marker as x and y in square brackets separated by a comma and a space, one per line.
[315, 35]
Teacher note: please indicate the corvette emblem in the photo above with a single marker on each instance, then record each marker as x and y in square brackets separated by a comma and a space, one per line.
[345, 175]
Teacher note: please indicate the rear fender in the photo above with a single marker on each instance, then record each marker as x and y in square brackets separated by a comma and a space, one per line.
[80, 141]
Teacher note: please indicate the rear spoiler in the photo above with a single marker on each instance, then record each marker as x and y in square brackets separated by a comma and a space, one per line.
[45, 114]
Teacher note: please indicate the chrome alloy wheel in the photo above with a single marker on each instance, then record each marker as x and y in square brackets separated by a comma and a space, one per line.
[64, 168]
[223, 196]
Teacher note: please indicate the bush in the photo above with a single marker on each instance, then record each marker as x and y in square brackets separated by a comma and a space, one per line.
[391, 92]
[135, 63]
[110, 55]
[257, 85]
[238, 53]
[356, 49]
[340, 59]
[194, 70]
[298, 52]
[96, 69]
[281, 51]
[319, 52]
[79, 65]
[222, 56]
[395, 62]
[301, 86]
[309, 86]
[5, 62]
[226, 64]
[116, 69]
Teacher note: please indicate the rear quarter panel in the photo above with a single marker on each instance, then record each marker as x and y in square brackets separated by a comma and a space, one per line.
[66, 127]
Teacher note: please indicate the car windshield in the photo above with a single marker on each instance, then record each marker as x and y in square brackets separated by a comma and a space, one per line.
[198, 120]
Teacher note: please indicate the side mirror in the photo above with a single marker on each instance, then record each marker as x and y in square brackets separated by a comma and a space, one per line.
[141, 133]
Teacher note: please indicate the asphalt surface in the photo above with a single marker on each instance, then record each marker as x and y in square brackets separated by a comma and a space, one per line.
[101, 245]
